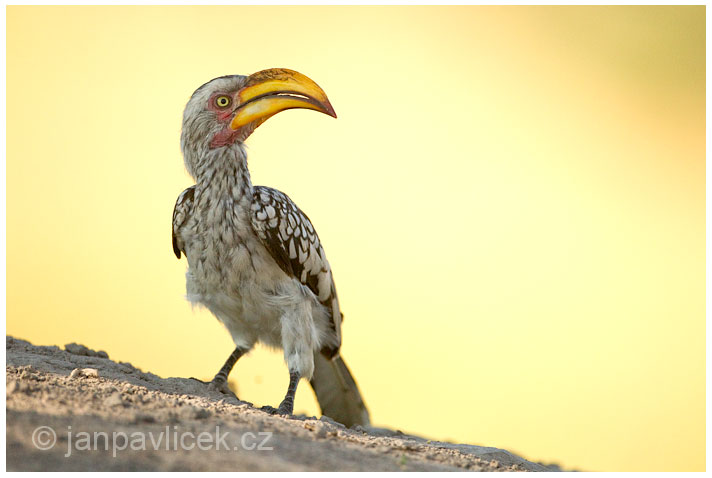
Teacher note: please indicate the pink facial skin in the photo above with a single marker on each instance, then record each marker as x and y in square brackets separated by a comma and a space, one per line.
[227, 135]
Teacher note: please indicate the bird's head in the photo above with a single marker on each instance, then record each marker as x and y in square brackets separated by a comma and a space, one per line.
[226, 110]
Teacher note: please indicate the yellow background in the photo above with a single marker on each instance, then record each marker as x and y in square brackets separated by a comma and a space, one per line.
[512, 200]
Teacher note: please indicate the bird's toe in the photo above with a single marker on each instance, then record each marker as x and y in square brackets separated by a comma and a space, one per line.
[220, 386]
[269, 409]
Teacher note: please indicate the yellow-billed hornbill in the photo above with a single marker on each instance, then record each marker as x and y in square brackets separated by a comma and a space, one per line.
[254, 258]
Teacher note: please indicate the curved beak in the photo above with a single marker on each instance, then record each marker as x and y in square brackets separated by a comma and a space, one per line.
[268, 92]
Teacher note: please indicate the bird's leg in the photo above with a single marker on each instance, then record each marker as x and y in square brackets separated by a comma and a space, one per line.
[219, 382]
[287, 405]
[298, 332]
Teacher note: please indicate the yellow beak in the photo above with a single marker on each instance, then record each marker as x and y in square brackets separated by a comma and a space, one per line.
[268, 92]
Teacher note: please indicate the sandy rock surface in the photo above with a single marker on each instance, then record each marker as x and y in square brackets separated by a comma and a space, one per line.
[75, 409]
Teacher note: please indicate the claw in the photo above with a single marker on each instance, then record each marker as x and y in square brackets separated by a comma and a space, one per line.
[269, 409]
[282, 410]
[219, 386]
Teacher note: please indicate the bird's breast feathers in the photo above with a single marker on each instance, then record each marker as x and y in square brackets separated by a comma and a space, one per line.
[254, 264]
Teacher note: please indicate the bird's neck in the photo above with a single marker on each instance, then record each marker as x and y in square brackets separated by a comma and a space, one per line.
[223, 172]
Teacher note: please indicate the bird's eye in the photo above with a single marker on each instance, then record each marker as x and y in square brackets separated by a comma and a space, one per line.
[222, 101]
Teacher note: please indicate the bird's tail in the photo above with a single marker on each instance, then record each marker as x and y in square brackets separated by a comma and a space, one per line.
[337, 392]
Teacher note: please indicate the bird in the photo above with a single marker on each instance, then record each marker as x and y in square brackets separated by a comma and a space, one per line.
[254, 258]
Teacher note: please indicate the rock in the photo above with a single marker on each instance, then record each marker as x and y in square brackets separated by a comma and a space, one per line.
[331, 421]
[12, 387]
[496, 456]
[114, 400]
[78, 349]
[104, 395]
[318, 427]
[84, 372]
[28, 373]
[143, 418]
[382, 432]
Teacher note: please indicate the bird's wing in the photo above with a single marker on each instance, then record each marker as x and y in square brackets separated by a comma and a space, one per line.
[181, 212]
[289, 236]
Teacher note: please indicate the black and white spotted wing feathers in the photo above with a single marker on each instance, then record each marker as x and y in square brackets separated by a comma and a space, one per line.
[289, 236]
[181, 212]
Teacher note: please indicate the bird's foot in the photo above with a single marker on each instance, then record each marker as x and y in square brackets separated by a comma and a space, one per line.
[269, 409]
[287, 405]
[217, 385]
[284, 409]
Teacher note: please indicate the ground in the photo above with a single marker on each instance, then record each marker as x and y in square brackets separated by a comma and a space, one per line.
[77, 410]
